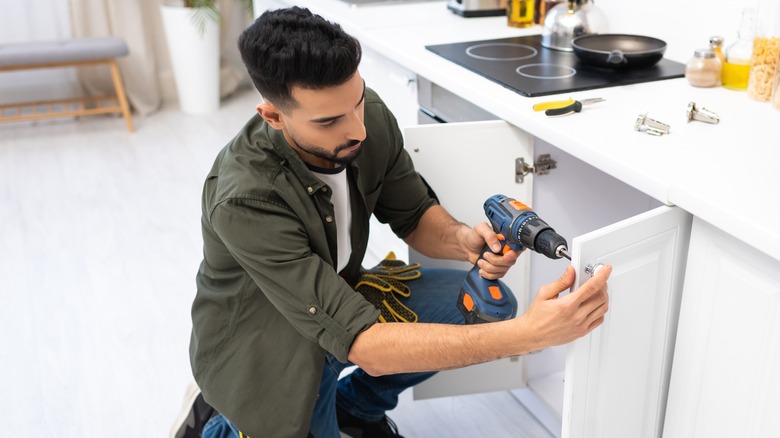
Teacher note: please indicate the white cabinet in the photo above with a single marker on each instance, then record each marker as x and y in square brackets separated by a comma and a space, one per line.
[396, 85]
[629, 357]
[725, 380]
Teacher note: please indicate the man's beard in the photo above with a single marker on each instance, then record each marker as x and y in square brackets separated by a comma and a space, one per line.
[330, 156]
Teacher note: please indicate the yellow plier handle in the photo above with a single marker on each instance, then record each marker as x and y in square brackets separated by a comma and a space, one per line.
[555, 104]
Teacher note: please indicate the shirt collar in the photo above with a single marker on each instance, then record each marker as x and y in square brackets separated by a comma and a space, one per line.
[291, 159]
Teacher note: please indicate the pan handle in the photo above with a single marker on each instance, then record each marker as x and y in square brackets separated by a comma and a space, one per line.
[616, 57]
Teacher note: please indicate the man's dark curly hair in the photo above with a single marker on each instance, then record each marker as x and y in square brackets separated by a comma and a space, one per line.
[293, 47]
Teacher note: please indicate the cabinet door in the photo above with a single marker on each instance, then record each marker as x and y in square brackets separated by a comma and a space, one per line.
[617, 377]
[724, 380]
[466, 163]
[396, 85]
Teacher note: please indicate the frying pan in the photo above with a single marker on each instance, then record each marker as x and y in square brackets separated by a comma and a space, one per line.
[618, 50]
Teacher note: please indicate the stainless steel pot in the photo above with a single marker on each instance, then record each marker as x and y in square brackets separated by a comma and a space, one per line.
[571, 19]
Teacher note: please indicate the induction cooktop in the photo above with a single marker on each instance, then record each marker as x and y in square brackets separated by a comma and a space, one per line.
[524, 66]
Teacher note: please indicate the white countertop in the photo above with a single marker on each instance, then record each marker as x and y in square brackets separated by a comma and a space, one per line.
[725, 174]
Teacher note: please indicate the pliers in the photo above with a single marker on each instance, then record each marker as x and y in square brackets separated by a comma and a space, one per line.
[561, 107]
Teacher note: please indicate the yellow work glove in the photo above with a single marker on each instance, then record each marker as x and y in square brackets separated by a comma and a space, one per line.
[380, 285]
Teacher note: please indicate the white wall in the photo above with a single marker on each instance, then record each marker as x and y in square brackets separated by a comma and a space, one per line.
[686, 25]
[35, 20]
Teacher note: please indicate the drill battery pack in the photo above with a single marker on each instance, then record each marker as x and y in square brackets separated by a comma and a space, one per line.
[482, 300]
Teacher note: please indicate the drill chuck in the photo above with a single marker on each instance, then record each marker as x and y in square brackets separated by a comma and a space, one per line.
[548, 243]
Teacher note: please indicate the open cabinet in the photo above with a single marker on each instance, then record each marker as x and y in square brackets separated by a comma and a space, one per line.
[613, 382]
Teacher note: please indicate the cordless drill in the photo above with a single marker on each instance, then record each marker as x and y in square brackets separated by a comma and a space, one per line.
[518, 227]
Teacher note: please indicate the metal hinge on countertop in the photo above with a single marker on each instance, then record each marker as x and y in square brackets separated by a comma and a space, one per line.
[544, 163]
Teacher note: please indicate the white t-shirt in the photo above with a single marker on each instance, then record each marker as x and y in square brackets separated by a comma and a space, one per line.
[342, 209]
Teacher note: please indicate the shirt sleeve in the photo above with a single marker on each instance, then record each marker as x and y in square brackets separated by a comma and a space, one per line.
[272, 244]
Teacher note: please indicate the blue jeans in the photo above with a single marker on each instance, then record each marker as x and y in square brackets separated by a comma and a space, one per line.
[433, 298]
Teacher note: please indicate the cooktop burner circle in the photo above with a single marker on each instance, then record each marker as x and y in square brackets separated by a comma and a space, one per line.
[546, 71]
[501, 51]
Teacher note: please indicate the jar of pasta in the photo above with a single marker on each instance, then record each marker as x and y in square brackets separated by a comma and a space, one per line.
[762, 68]
[776, 88]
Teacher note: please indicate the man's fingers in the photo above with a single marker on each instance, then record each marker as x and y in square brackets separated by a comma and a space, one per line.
[552, 290]
[498, 264]
[595, 324]
[507, 258]
[593, 285]
[600, 308]
[487, 233]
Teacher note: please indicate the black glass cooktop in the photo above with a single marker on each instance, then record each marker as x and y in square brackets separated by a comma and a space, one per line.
[524, 66]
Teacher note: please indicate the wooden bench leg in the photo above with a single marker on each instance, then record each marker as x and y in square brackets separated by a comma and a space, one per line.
[120, 95]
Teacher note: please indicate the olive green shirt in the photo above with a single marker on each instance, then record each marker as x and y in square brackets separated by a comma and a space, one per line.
[269, 304]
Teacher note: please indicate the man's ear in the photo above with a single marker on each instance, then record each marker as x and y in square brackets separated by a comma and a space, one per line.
[271, 115]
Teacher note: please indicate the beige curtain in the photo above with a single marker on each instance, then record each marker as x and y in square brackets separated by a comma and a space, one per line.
[146, 71]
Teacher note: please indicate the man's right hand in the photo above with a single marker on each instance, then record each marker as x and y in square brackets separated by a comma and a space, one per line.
[554, 321]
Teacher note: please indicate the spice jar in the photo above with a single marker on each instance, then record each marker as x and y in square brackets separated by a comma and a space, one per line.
[704, 69]
[762, 67]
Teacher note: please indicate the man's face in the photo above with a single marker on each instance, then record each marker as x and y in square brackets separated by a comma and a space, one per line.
[326, 127]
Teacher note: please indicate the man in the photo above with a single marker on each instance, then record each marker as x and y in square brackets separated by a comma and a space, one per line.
[285, 225]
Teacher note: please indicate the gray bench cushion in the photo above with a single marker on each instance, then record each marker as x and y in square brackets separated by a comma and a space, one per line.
[45, 52]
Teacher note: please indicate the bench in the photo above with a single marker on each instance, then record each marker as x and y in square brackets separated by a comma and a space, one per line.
[66, 53]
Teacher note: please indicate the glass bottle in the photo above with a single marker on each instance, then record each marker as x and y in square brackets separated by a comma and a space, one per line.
[736, 69]
[520, 13]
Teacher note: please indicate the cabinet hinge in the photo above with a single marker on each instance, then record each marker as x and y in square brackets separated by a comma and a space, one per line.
[544, 163]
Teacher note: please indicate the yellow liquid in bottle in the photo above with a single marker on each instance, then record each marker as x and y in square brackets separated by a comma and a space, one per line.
[520, 13]
[735, 76]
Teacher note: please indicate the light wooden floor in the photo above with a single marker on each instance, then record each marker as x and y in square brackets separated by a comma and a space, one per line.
[99, 245]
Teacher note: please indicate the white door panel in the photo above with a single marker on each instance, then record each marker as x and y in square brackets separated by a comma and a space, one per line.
[724, 380]
[617, 377]
[466, 163]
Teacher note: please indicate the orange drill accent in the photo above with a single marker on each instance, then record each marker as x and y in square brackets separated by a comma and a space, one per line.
[495, 292]
[468, 302]
[518, 205]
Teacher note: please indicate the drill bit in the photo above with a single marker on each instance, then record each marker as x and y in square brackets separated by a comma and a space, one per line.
[562, 251]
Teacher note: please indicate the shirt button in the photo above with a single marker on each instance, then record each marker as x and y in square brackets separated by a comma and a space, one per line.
[312, 310]
[309, 189]
[324, 189]
[328, 218]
